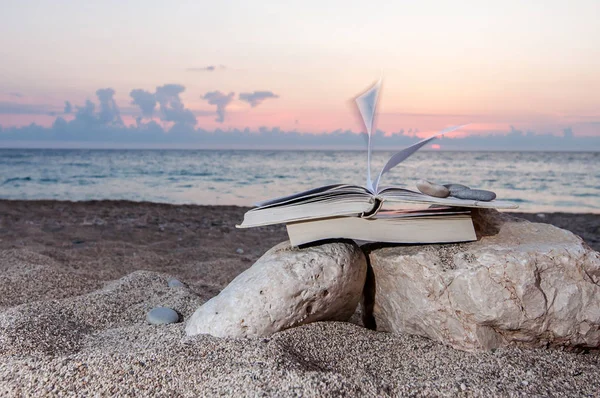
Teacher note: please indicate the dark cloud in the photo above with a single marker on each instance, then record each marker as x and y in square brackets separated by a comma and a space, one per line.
[221, 101]
[171, 107]
[145, 100]
[209, 68]
[68, 108]
[257, 97]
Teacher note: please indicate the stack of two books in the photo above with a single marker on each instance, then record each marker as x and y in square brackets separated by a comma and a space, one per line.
[372, 213]
[353, 212]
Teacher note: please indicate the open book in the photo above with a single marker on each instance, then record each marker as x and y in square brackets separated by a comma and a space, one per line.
[353, 200]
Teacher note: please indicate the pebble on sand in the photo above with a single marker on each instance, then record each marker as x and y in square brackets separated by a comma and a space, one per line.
[175, 283]
[162, 315]
[431, 189]
[239, 250]
[475, 194]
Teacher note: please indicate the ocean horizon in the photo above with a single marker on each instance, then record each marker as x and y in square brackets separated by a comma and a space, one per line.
[539, 181]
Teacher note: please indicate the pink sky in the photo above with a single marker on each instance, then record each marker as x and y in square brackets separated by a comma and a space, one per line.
[534, 67]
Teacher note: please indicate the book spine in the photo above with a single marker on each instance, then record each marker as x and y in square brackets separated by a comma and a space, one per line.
[377, 204]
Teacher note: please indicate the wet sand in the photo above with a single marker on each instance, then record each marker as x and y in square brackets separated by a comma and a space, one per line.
[77, 279]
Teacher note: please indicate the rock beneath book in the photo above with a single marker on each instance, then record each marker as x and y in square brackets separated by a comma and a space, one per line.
[521, 283]
[475, 194]
[286, 287]
[431, 189]
[454, 188]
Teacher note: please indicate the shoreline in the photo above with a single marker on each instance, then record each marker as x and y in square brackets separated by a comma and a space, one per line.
[78, 278]
[585, 225]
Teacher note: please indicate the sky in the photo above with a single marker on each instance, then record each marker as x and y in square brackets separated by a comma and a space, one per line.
[72, 68]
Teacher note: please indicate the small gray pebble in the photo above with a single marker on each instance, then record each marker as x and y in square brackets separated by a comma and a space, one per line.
[431, 189]
[162, 315]
[175, 283]
[475, 194]
[454, 188]
[239, 250]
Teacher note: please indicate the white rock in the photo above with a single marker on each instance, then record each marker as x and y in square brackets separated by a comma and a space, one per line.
[431, 189]
[286, 287]
[520, 283]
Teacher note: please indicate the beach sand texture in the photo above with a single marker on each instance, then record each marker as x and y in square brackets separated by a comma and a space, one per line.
[77, 279]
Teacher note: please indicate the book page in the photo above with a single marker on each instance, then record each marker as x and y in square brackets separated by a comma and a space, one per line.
[367, 105]
[406, 152]
[326, 190]
[391, 194]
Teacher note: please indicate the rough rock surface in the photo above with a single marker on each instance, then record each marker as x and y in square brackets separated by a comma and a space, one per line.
[286, 287]
[520, 283]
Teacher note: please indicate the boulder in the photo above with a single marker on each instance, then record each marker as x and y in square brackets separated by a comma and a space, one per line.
[520, 283]
[286, 287]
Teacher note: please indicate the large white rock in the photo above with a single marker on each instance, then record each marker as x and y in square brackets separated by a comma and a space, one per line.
[520, 283]
[286, 287]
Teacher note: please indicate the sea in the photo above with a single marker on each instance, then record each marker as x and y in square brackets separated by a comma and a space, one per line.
[536, 181]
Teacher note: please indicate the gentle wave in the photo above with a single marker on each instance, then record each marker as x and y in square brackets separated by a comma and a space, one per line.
[16, 179]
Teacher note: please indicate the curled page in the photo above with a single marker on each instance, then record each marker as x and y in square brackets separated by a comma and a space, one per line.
[367, 104]
[406, 152]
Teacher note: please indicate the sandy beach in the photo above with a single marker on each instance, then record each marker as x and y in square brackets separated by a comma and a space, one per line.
[77, 279]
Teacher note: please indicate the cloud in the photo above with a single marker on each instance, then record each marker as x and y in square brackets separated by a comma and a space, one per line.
[209, 68]
[257, 97]
[87, 131]
[109, 111]
[145, 100]
[16, 108]
[86, 115]
[171, 107]
[17, 95]
[221, 100]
